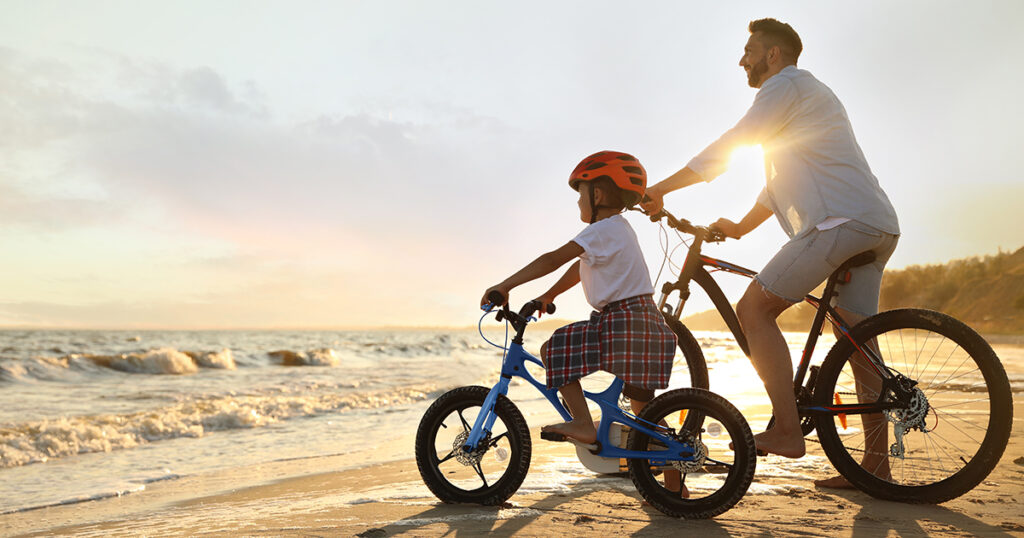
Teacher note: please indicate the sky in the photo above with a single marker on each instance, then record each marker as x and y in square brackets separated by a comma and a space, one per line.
[254, 164]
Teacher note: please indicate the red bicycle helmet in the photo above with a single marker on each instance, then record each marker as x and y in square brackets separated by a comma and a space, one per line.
[622, 168]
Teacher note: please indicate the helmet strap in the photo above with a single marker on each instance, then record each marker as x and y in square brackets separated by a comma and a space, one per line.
[593, 206]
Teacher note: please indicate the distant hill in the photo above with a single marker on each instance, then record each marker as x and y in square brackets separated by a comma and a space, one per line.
[986, 292]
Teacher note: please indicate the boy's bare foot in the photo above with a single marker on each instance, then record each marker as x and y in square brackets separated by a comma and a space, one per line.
[582, 431]
[834, 482]
[685, 495]
[786, 446]
[673, 482]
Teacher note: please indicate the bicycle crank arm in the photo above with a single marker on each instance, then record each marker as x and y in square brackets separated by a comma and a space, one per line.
[561, 437]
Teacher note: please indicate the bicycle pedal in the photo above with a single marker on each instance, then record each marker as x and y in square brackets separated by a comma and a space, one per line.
[553, 436]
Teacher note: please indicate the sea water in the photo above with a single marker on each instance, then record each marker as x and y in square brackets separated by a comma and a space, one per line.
[86, 415]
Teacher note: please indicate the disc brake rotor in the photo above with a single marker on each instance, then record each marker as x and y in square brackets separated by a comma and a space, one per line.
[469, 458]
[700, 453]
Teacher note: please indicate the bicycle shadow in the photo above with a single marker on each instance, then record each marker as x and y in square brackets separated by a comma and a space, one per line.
[879, 518]
[600, 505]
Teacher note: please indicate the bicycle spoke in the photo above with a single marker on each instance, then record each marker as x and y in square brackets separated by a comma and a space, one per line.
[961, 431]
[494, 441]
[465, 425]
[962, 402]
[480, 473]
[717, 463]
[446, 458]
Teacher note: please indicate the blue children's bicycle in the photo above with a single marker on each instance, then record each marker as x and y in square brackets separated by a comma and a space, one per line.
[473, 444]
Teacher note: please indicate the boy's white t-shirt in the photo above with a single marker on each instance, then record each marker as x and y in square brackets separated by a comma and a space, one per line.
[612, 266]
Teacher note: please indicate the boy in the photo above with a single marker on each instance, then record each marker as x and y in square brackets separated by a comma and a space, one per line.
[627, 335]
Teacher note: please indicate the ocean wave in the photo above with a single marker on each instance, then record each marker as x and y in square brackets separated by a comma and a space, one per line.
[316, 357]
[156, 361]
[162, 361]
[40, 441]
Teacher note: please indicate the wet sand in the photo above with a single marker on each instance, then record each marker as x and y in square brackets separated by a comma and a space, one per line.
[559, 497]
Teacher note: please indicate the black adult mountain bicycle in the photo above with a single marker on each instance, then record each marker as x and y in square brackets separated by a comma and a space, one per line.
[934, 403]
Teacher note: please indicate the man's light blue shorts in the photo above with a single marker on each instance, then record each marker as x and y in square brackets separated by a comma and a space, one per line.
[806, 261]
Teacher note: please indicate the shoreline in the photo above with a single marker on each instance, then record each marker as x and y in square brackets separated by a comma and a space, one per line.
[297, 498]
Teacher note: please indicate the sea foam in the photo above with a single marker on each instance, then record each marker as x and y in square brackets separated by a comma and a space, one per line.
[39, 441]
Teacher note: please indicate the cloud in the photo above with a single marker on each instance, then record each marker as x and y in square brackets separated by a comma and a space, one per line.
[182, 142]
[22, 210]
[291, 222]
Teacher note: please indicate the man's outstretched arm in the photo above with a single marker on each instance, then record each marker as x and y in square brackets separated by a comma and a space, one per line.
[656, 193]
[753, 219]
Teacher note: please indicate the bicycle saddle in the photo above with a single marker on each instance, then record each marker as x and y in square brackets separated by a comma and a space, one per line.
[863, 258]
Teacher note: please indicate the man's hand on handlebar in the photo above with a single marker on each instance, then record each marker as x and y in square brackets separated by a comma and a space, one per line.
[728, 227]
[652, 202]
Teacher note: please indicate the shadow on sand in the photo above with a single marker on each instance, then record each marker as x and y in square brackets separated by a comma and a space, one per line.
[881, 518]
[598, 506]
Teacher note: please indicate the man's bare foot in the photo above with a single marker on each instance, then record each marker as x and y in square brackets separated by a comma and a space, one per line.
[582, 431]
[834, 482]
[786, 446]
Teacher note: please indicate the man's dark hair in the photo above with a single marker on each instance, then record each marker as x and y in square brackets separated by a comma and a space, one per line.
[778, 34]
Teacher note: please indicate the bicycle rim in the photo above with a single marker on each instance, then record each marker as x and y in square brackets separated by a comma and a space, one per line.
[489, 475]
[953, 423]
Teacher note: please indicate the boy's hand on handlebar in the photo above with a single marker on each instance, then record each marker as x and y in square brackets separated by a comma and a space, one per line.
[491, 297]
[728, 227]
[544, 306]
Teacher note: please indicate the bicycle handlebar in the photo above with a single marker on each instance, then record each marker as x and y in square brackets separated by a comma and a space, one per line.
[496, 298]
[710, 234]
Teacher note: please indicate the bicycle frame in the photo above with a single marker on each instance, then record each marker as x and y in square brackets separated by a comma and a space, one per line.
[694, 269]
[514, 365]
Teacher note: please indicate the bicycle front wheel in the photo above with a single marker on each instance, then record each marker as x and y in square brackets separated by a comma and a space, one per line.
[950, 407]
[490, 474]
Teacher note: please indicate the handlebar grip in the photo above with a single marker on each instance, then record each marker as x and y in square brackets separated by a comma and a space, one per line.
[496, 298]
[533, 306]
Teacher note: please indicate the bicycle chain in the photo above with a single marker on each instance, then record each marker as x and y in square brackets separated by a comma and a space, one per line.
[850, 449]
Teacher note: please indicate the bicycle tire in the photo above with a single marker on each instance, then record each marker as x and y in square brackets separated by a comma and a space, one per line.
[692, 353]
[717, 416]
[933, 463]
[453, 483]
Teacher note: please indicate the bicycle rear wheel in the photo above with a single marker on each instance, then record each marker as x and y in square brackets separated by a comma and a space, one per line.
[692, 354]
[716, 477]
[953, 415]
[488, 475]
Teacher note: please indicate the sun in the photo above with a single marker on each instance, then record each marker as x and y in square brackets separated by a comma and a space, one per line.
[747, 157]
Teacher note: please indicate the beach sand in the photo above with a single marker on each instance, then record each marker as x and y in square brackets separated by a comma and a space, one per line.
[559, 497]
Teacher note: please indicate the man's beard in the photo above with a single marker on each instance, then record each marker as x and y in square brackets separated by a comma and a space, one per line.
[756, 72]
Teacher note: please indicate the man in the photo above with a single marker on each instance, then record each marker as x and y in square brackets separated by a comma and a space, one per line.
[822, 192]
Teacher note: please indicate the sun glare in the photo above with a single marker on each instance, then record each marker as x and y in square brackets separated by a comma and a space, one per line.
[747, 157]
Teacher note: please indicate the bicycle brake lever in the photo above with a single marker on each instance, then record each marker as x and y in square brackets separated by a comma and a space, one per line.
[715, 235]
